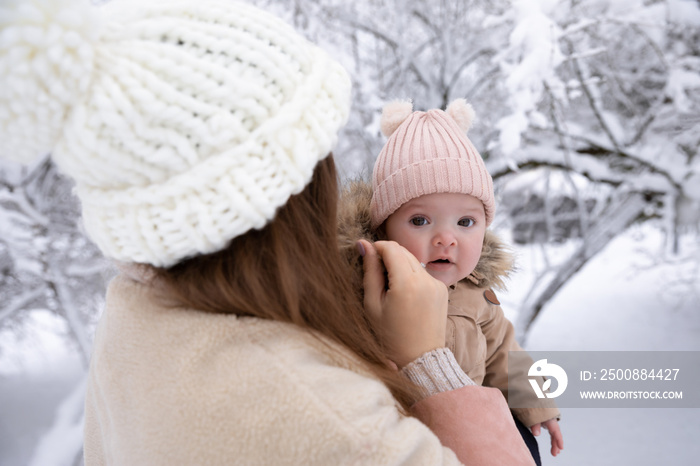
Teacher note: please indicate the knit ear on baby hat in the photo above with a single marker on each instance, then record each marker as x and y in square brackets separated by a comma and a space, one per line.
[462, 113]
[393, 114]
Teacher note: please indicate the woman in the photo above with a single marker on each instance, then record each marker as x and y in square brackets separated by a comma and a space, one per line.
[197, 132]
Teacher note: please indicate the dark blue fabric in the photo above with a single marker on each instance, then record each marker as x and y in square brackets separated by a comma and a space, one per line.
[530, 441]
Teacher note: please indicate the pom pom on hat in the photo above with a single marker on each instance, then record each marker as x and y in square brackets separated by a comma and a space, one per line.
[46, 63]
[462, 113]
[393, 114]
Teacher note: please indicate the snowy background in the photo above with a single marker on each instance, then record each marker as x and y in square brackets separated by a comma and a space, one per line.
[589, 121]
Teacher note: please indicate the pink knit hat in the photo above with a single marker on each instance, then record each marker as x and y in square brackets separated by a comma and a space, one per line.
[427, 153]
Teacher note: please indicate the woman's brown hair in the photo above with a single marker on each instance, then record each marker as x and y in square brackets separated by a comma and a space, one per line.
[291, 271]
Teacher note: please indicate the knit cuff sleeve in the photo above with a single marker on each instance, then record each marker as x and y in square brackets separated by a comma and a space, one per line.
[435, 372]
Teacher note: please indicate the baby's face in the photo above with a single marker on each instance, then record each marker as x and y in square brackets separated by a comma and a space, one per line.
[445, 231]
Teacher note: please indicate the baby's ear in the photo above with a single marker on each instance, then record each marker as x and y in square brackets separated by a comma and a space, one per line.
[462, 113]
[393, 114]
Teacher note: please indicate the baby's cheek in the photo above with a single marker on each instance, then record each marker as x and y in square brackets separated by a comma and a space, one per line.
[414, 247]
[472, 261]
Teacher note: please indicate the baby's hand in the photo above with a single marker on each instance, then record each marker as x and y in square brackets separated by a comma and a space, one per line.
[552, 426]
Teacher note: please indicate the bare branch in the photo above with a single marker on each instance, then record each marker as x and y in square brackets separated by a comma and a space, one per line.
[439, 34]
[586, 54]
[580, 26]
[7, 186]
[394, 47]
[614, 221]
[28, 208]
[425, 20]
[591, 100]
[485, 79]
[378, 34]
[564, 141]
[652, 44]
[597, 150]
[468, 61]
[65, 302]
[19, 303]
[531, 164]
[651, 116]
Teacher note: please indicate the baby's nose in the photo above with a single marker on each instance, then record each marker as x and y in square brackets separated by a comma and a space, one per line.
[444, 238]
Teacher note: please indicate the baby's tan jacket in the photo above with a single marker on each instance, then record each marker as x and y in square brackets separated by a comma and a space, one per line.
[478, 333]
[480, 336]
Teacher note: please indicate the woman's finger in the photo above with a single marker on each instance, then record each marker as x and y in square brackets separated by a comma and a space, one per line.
[398, 261]
[413, 306]
[374, 281]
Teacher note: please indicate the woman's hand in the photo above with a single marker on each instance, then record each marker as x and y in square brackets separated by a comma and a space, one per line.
[407, 305]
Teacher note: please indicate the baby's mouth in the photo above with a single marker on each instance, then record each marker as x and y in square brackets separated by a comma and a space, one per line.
[440, 261]
[439, 265]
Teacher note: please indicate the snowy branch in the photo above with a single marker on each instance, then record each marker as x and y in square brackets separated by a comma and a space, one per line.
[468, 61]
[579, 26]
[659, 53]
[26, 206]
[591, 100]
[86, 269]
[395, 47]
[19, 303]
[485, 79]
[614, 221]
[564, 141]
[532, 163]
[76, 325]
[587, 53]
[597, 150]
[376, 33]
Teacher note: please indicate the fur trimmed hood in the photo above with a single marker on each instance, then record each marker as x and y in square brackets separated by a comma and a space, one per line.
[493, 268]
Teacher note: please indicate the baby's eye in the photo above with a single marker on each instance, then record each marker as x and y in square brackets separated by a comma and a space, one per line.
[466, 222]
[419, 221]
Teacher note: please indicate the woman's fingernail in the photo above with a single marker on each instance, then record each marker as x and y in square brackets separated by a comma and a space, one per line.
[360, 248]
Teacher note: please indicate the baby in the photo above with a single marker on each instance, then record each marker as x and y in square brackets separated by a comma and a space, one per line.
[432, 194]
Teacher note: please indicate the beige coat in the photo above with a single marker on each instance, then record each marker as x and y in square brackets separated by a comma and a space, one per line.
[174, 386]
[478, 333]
[480, 337]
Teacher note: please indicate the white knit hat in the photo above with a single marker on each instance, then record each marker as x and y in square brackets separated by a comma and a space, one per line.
[184, 123]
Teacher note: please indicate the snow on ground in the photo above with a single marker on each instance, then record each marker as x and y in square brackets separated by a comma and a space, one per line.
[625, 299]
[36, 373]
[621, 301]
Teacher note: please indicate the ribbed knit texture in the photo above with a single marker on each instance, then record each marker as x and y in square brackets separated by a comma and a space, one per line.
[435, 372]
[190, 124]
[428, 153]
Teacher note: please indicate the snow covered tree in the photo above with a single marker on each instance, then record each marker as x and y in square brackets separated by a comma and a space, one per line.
[603, 100]
[587, 109]
[46, 262]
